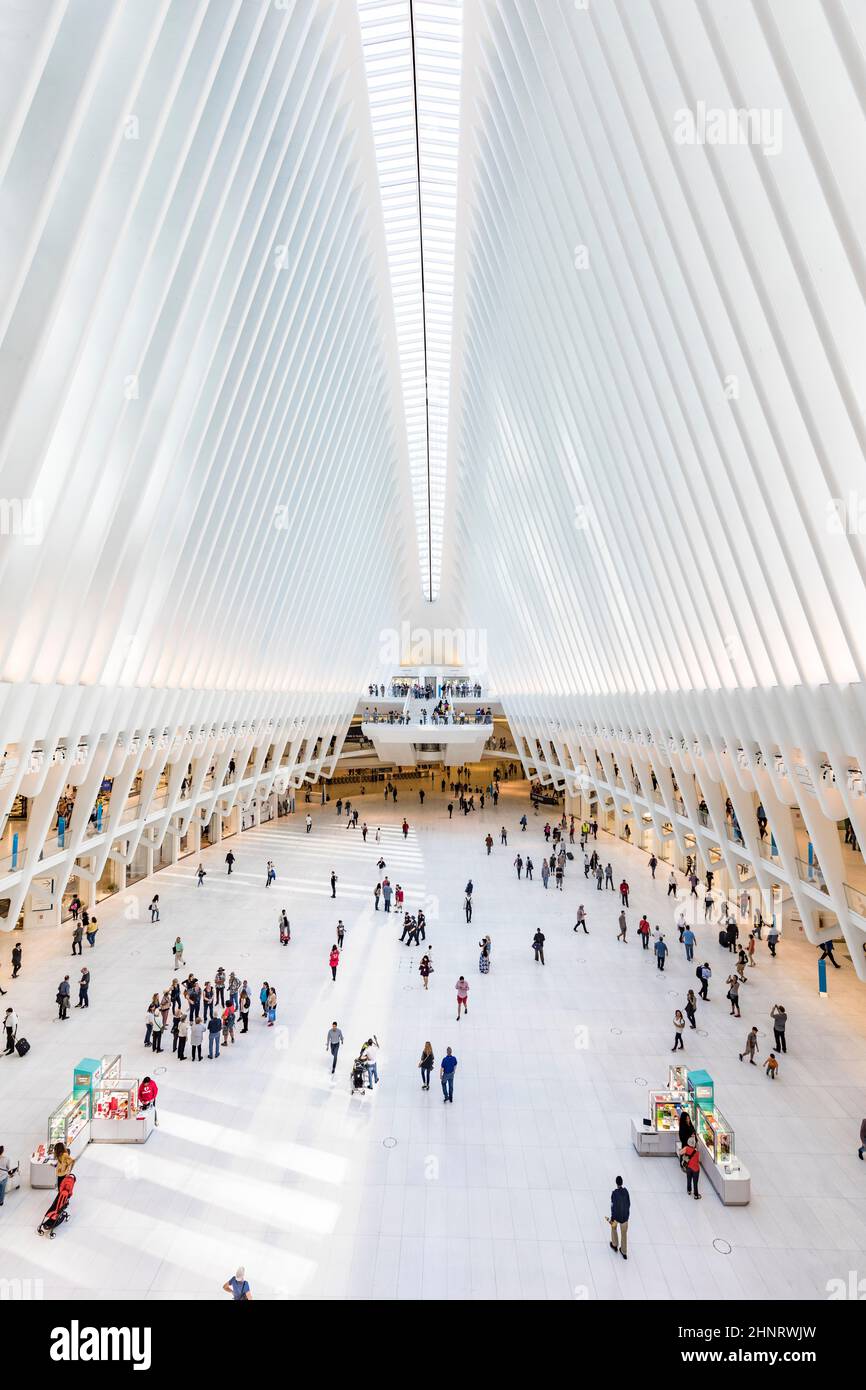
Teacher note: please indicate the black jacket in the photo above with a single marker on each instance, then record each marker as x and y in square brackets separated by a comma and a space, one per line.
[620, 1204]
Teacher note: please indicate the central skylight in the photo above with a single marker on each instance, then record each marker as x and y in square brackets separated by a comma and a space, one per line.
[413, 54]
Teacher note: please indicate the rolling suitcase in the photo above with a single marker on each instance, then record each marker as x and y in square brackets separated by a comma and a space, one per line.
[723, 938]
[568, 854]
[22, 1047]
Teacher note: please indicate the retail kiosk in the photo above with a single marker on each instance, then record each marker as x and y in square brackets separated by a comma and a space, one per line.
[658, 1134]
[102, 1106]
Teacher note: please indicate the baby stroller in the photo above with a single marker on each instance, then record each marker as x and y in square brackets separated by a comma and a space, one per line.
[58, 1212]
[359, 1076]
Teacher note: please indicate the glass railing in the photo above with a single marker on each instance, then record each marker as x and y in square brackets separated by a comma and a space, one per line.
[855, 899]
[10, 862]
[811, 873]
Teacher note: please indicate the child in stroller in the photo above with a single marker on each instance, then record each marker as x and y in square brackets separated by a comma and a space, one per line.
[359, 1076]
[58, 1212]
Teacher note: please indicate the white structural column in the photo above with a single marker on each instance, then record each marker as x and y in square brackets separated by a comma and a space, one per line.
[657, 413]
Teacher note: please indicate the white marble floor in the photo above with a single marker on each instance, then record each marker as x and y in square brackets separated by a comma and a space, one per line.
[261, 1160]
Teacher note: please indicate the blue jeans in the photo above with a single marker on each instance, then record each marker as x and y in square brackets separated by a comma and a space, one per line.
[448, 1086]
[690, 951]
[372, 1073]
[213, 1041]
[3, 1191]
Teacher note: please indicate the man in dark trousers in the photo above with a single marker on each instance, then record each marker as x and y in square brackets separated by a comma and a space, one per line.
[230, 859]
[16, 959]
[538, 946]
[620, 1207]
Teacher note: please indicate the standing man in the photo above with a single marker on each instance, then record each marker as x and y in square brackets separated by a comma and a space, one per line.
[230, 859]
[370, 1058]
[620, 1207]
[63, 997]
[83, 987]
[309, 822]
[623, 892]
[780, 1018]
[537, 946]
[467, 907]
[462, 988]
[77, 937]
[446, 1076]
[386, 893]
[332, 1041]
[622, 926]
[661, 951]
[672, 883]
[333, 884]
[772, 938]
[704, 974]
[16, 959]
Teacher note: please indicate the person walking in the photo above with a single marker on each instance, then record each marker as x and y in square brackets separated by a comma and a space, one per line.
[154, 908]
[672, 884]
[751, 1046]
[518, 864]
[230, 859]
[177, 954]
[653, 864]
[704, 974]
[92, 929]
[425, 970]
[780, 1019]
[334, 961]
[679, 1025]
[309, 822]
[63, 993]
[10, 1026]
[200, 876]
[16, 960]
[691, 1008]
[643, 931]
[620, 1210]
[826, 953]
[862, 1148]
[484, 957]
[623, 926]
[772, 938]
[771, 1066]
[333, 1040]
[691, 1160]
[446, 1074]
[624, 892]
[462, 988]
[538, 945]
[661, 951]
[426, 1065]
[688, 939]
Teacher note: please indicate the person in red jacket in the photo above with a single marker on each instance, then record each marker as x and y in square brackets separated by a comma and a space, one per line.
[405, 828]
[623, 893]
[692, 1162]
[147, 1094]
[643, 928]
[334, 961]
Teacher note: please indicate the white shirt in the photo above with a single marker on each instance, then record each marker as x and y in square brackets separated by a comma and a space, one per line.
[11, 1021]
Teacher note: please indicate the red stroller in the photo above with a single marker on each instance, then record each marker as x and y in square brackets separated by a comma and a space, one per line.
[58, 1212]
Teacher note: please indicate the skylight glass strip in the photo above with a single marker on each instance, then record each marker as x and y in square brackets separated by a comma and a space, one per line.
[419, 222]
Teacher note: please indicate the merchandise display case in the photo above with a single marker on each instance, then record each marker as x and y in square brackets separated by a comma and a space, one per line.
[701, 1092]
[68, 1123]
[664, 1110]
[117, 1118]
